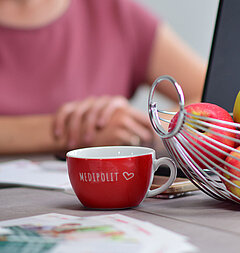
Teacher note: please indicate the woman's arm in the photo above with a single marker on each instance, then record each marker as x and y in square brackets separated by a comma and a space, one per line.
[28, 134]
[40, 133]
[171, 56]
[37, 133]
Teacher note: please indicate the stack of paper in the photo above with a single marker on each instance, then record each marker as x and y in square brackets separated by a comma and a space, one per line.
[115, 233]
[47, 174]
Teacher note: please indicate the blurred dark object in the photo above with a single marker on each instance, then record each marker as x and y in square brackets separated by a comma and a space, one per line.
[164, 171]
[61, 156]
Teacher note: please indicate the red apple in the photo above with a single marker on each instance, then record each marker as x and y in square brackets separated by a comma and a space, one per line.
[211, 111]
[236, 163]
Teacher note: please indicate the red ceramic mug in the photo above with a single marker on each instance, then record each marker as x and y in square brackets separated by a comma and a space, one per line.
[116, 176]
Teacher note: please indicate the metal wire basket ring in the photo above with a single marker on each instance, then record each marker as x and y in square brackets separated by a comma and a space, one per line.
[201, 157]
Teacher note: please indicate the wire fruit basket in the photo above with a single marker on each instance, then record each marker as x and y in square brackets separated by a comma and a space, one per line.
[200, 145]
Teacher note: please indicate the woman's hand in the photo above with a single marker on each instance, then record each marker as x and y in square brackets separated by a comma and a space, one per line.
[128, 126]
[93, 113]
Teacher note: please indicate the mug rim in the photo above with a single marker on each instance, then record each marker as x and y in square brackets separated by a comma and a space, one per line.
[145, 151]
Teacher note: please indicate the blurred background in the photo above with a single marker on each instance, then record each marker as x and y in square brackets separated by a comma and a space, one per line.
[193, 21]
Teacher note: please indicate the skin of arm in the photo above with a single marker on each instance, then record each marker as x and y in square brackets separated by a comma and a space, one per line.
[28, 134]
[34, 133]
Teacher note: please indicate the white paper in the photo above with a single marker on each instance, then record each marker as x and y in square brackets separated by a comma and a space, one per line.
[47, 174]
[113, 233]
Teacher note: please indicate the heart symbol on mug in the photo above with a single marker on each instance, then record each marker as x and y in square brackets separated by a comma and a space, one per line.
[127, 175]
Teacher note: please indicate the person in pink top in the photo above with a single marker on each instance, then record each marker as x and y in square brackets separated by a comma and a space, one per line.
[68, 68]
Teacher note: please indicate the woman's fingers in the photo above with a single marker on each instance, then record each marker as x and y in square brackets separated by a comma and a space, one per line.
[139, 129]
[113, 105]
[100, 114]
[76, 122]
[81, 122]
[140, 117]
[69, 120]
[93, 116]
[62, 116]
[135, 132]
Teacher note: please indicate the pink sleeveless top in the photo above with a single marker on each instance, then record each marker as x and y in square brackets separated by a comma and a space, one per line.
[97, 47]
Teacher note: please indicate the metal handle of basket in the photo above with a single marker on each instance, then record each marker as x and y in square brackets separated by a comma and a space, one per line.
[153, 110]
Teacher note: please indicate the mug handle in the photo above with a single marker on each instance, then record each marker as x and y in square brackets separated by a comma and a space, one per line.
[173, 173]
